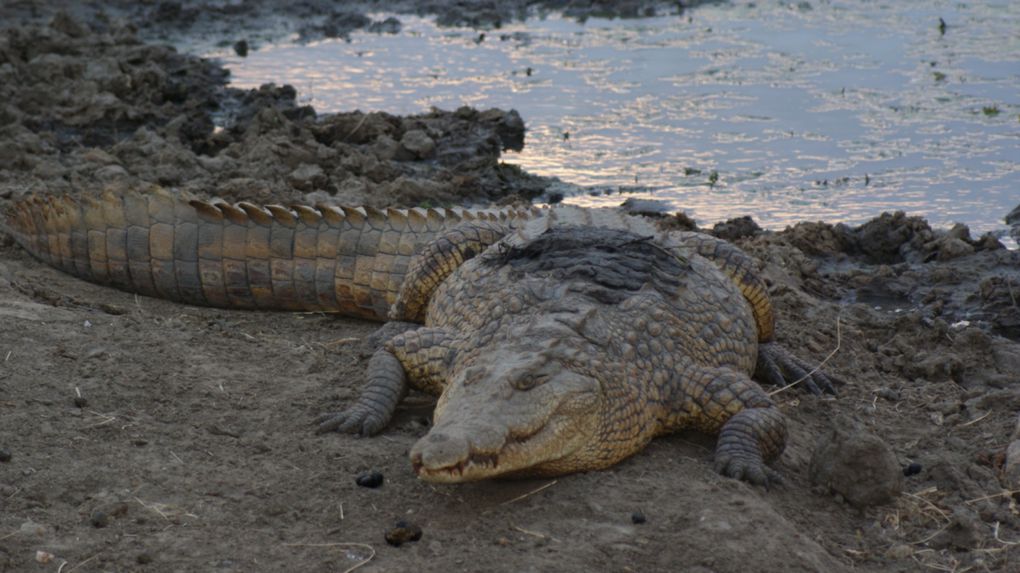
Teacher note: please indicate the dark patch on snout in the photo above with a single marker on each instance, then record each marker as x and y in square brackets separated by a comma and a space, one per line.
[605, 264]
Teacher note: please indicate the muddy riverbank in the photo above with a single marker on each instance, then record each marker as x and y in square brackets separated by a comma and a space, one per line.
[142, 435]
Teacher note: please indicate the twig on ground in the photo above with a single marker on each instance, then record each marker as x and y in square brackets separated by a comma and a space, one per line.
[994, 495]
[530, 493]
[364, 561]
[78, 565]
[995, 532]
[931, 505]
[531, 533]
[976, 420]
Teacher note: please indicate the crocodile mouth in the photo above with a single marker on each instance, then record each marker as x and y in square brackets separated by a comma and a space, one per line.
[475, 466]
[519, 452]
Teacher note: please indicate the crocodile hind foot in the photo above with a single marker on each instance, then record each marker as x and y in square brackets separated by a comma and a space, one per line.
[743, 440]
[776, 365]
[374, 409]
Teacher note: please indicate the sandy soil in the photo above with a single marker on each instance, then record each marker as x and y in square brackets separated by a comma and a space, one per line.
[142, 435]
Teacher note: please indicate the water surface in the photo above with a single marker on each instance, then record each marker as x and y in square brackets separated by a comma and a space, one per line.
[788, 112]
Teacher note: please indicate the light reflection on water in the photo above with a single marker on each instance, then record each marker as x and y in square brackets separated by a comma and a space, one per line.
[835, 112]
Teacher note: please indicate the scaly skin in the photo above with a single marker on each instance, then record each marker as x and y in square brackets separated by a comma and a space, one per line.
[348, 260]
[564, 349]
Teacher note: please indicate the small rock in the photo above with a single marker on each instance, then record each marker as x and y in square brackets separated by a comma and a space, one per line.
[1013, 218]
[899, 551]
[307, 177]
[241, 48]
[99, 519]
[646, 207]
[1011, 466]
[965, 531]
[888, 394]
[418, 143]
[5, 455]
[637, 518]
[912, 470]
[959, 231]
[32, 528]
[737, 228]
[952, 248]
[371, 479]
[856, 464]
[144, 558]
[403, 532]
[44, 557]
[110, 173]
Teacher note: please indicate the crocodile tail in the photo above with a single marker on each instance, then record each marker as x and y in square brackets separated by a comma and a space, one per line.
[350, 260]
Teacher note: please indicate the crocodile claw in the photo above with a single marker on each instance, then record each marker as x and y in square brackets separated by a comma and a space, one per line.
[778, 366]
[747, 468]
[358, 419]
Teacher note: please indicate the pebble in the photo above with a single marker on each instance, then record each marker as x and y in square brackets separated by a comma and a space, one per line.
[899, 551]
[372, 479]
[99, 519]
[403, 532]
[5, 455]
[912, 469]
[418, 143]
[637, 517]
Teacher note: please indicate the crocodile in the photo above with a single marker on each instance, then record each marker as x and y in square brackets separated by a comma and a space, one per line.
[558, 340]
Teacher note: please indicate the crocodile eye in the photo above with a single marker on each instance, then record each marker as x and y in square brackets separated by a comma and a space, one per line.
[529, 381]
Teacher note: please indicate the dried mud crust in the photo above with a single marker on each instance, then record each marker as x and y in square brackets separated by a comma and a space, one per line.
[82, 107]
[148, 436]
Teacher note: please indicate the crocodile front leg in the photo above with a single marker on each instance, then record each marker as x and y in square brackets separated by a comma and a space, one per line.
[437, 261]
[750, 427]
[416, 359]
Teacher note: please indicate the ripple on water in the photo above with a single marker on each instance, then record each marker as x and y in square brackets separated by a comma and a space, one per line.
[836, 111]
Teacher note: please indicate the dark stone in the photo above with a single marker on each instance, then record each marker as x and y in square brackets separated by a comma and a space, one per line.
[371, 479]
[403, 532]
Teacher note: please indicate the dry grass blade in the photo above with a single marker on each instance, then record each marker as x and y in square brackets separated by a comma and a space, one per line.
[371, 554]
[995, 532]
[1004, 493]
[530, 493]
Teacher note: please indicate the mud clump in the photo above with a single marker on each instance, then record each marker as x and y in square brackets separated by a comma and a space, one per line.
[857, 465]
[84, 107]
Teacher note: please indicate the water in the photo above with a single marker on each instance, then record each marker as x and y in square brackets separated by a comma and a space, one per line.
[830, 111]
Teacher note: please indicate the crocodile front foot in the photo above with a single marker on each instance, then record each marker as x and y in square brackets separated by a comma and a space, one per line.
[743, 440]
[778, 366]
[386, 387]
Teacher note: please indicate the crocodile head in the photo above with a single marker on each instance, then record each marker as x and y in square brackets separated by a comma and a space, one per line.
[517, 409]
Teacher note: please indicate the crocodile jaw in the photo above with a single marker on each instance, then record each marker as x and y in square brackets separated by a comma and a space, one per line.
[442, 457]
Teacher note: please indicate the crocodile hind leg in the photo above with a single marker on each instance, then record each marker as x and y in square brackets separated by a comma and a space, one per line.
[415, 359]
[741, 269]
[776, 365]
[719, 400]
[437, 261]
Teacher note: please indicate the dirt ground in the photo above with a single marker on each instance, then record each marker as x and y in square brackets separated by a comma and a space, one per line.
[143, 435]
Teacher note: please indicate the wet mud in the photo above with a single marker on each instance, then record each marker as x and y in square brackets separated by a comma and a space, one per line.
[142, 435]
